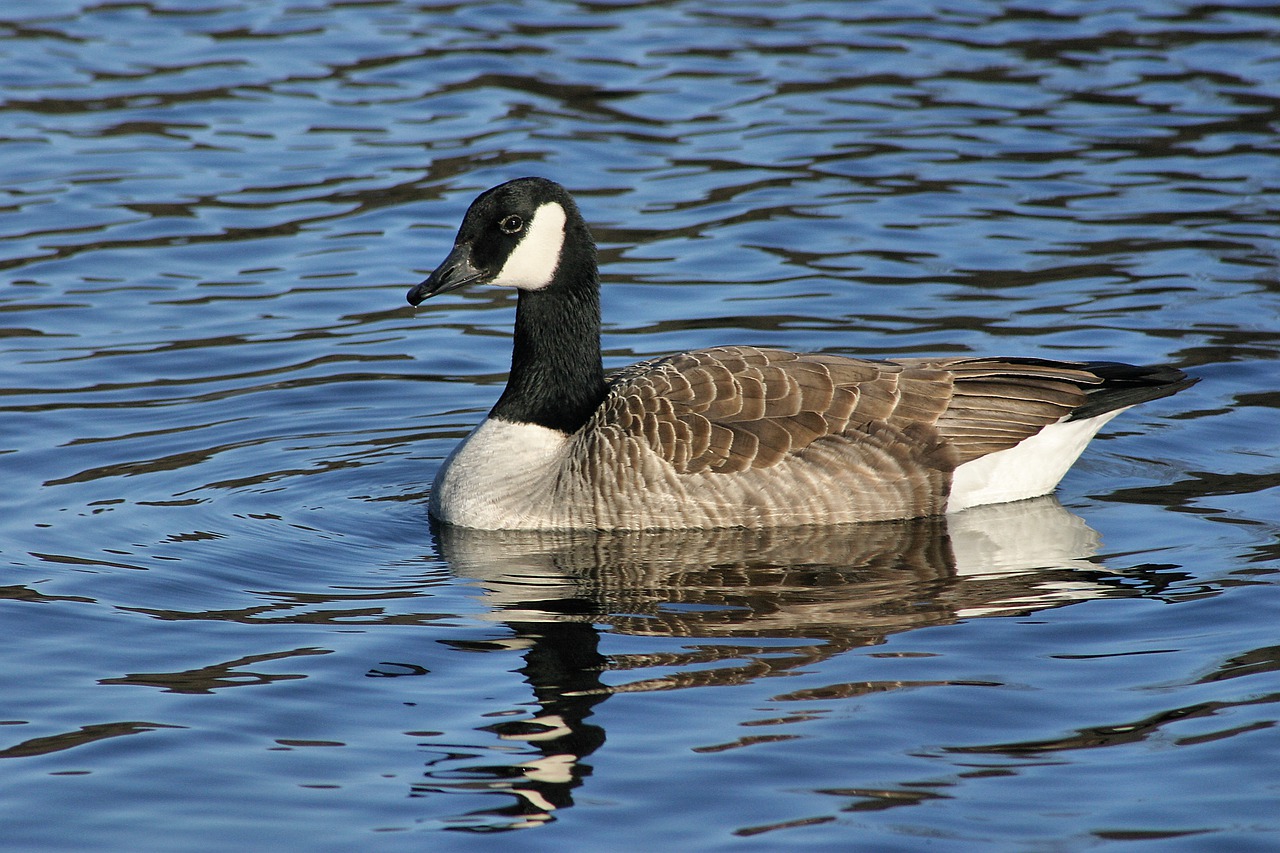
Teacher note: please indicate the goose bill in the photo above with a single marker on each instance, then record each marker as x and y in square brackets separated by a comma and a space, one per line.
[456, 271]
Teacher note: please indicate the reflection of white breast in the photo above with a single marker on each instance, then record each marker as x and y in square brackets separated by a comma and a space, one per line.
[500, 476]
[1024, 542]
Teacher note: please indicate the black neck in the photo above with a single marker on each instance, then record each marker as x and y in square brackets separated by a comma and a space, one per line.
[557, 378]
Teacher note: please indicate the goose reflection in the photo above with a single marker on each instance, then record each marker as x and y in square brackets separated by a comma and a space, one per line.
[752, 602]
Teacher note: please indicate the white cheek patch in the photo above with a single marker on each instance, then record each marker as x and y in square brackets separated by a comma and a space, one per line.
[534, 260]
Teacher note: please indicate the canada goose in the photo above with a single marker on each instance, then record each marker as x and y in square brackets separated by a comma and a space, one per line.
[737, 436]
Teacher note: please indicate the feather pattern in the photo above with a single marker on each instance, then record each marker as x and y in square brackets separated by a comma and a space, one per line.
[735, 436]
[748, 407]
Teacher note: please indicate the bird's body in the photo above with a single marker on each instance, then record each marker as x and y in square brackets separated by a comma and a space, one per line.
[737, 436]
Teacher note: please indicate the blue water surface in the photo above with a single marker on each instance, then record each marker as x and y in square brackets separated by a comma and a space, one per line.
[228, 624]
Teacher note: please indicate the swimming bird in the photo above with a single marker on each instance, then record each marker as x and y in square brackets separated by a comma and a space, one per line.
[737, 436]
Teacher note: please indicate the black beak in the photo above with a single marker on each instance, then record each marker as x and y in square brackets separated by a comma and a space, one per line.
[456, 271]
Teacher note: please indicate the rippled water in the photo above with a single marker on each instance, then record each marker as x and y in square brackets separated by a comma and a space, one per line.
[228, 624]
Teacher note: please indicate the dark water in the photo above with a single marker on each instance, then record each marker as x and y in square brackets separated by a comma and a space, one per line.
[227, 624]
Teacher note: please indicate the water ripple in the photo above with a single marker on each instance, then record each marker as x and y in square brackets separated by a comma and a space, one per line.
[219, 422]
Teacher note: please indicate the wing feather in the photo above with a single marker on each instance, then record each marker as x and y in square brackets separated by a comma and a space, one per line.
[730, 409]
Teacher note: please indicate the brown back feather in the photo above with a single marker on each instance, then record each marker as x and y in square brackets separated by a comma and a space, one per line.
[729, 409]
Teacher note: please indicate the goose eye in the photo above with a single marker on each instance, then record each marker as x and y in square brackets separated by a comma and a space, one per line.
[511, 225]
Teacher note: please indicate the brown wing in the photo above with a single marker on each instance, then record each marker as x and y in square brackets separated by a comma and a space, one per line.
[996, 403]
[732, 408]
[729, 409]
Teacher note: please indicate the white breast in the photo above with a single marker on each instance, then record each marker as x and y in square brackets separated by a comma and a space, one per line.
[501, 476]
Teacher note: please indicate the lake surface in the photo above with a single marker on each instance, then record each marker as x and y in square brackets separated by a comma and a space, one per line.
[228, 624]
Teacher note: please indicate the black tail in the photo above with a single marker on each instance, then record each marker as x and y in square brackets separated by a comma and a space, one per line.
[1127, 385]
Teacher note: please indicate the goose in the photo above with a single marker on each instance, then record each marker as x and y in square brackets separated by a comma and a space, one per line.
[737, 436]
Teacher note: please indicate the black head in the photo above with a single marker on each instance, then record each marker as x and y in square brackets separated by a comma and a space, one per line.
[513, 235]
